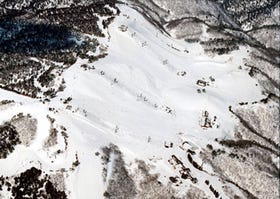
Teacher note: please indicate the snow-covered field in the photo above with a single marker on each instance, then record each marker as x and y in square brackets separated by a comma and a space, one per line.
[141, 97]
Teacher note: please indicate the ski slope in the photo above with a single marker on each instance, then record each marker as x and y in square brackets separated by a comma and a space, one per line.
[139, 97]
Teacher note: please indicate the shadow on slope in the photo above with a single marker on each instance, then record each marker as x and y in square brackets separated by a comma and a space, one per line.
[27, 38]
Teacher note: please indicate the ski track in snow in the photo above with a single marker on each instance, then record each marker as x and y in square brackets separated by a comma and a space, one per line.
[143, 64]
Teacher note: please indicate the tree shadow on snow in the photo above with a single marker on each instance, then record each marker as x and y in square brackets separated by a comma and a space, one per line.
[28, 38]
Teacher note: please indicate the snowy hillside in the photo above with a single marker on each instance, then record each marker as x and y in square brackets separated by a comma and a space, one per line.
[137, 123]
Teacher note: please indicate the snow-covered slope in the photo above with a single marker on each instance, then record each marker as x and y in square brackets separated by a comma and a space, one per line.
[153, 98]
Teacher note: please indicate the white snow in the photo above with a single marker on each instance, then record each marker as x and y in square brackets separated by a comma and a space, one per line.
[145, 68]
